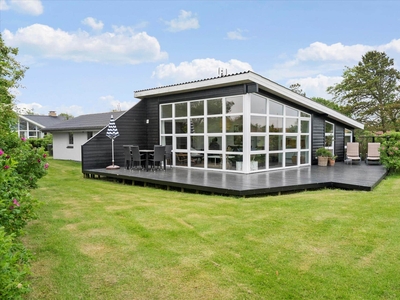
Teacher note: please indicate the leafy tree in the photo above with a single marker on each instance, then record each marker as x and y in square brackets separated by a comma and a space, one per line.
[66, 116]
[296, 87]
[330, 104]
[370, 92]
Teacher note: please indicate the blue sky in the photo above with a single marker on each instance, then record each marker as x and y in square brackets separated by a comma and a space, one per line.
[90, 56]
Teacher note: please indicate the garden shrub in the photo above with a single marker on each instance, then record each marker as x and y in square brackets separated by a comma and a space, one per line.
[21, 166]
[390, 151]
[14, 266]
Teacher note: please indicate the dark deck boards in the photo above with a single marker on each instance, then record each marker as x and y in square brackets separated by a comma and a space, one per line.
[355, 177]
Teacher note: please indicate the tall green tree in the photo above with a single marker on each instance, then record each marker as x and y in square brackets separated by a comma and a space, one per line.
[370, 92]
[11, 73]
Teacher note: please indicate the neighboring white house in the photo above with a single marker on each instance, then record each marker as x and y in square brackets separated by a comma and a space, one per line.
[70, 135]
[31, 126]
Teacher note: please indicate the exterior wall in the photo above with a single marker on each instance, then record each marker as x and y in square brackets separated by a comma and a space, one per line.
[63, 150]
[133, 130]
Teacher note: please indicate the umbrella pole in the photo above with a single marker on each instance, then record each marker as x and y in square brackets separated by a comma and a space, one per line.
[112, 157]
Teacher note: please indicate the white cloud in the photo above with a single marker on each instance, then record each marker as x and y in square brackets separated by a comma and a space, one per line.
[4, 5]
[198, 69]
[236, 35]
[116, 104]
[31, 7]
[185, 21]
[123, 46]
[321, 52]
[316, 86]
[93, 23]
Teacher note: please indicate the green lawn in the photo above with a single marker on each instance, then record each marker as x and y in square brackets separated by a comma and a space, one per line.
[102, 240]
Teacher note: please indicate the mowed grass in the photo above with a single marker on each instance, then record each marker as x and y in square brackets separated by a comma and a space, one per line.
[103, 240]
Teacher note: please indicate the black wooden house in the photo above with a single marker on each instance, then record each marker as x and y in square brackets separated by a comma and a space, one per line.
[240, 123]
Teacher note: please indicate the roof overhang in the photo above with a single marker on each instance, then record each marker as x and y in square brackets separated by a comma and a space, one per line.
[41, 126]
[263, 83]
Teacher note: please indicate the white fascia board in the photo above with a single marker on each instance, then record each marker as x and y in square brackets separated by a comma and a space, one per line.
[263, 82]
[32, 122]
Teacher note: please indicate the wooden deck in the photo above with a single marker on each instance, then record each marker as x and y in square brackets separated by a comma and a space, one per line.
[354, 177]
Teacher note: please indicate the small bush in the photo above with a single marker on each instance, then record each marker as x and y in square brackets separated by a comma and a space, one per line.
[14, 266]
[390, 151]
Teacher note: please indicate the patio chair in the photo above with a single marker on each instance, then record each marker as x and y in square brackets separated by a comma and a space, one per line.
[136, 158]
[158, 158]
[168, 154]
[353, 152]
[127, 157]
[373, 154]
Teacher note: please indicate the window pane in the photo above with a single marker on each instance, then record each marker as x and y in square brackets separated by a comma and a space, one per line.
[328, 127]
[292, 112]
[292, 125]
[275, 124]
[305, 126]
[258, 105]
[22, 125]
[234, 105]
[275, 108]
[304, 115]
[234, 143]
[291, 159]
[291, 142]
[197, 143]
[214, 107]
[197, 125]
[214, 124]
[275, 160]
[258, 124]
[257, 143]
[214, 161]
[234, 124]
[275, 142]
[197, 108]
[304, 142]
[180, 126]
[181, 142]
[166, 127]
[304, 157]
[166, 111]
[181, 159]
[181, 109]
[214, 143]
[257, 162]
[166, 140]
[234, 162]
[197, 159]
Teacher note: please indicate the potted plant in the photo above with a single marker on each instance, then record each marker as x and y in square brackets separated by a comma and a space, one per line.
[323, 155]
[332, 160]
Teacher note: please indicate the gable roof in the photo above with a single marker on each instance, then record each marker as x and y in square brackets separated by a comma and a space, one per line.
[43, 121]
[90, 122]
[250, 77]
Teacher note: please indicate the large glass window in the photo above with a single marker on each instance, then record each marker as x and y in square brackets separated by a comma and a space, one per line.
[217, 134]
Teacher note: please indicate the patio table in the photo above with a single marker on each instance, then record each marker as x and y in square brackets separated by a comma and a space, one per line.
[146, 157]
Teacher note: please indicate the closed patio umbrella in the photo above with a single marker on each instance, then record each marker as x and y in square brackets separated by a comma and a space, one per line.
[112, 133]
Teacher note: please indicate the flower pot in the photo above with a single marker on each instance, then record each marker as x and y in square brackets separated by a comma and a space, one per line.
[253, 165]
[331, 162]
[322, 161]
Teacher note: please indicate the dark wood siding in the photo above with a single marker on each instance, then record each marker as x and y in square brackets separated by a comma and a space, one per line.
[339, 141]
[318, 135]
[132, 127]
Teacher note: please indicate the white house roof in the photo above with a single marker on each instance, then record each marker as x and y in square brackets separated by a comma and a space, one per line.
[250, 77]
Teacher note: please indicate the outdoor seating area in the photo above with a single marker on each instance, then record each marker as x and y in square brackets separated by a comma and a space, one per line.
[146, 159]
[354, 177]
[353, 153]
